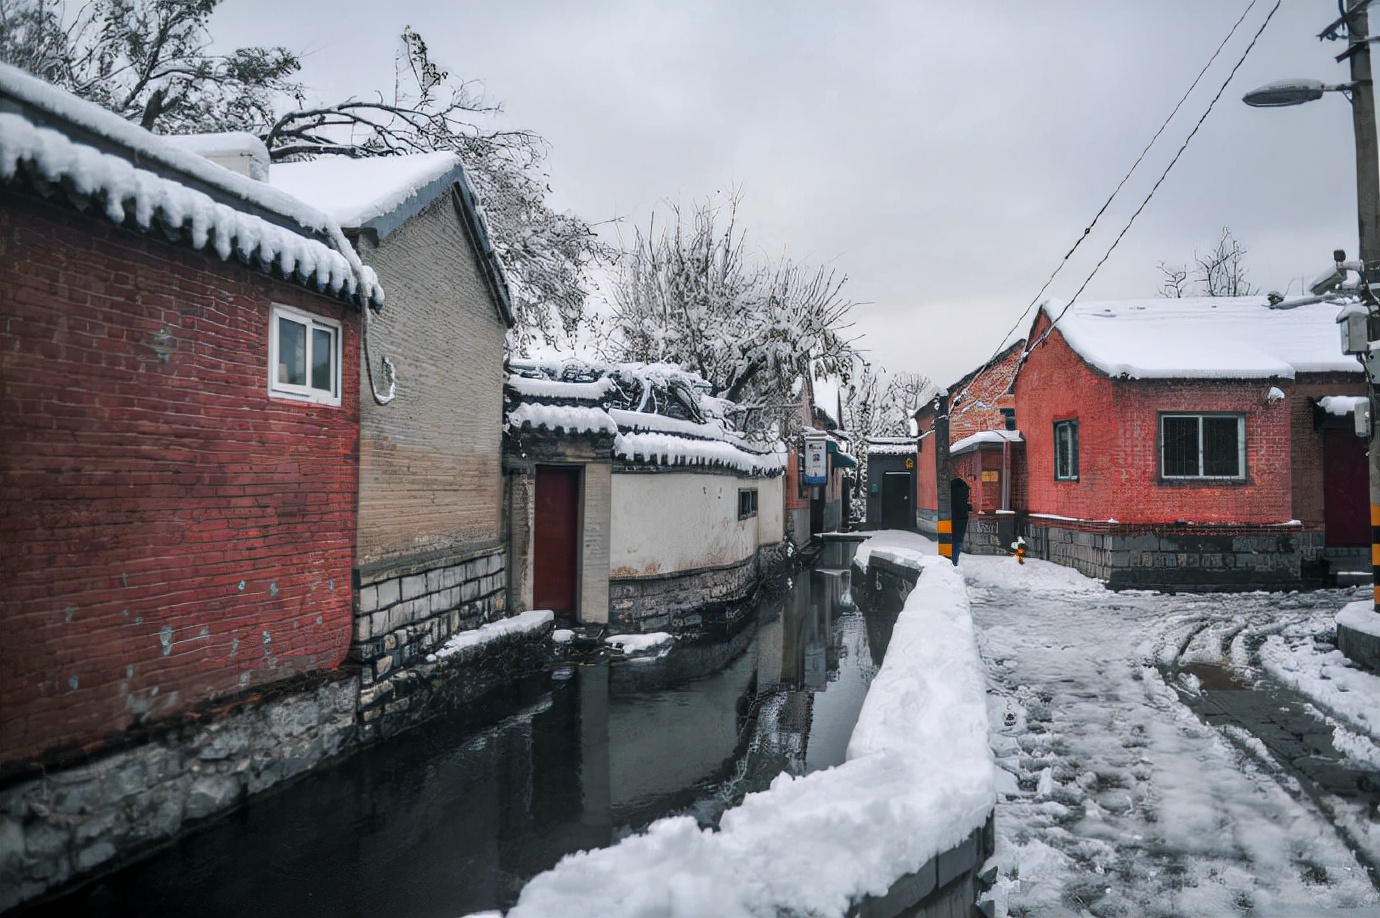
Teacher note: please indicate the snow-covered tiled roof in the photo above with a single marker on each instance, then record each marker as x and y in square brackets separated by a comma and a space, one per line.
[381, 193]
[354, 191]
[985, 437]
[627, 401]
[1203, 337]
[55, 140]
[891, 446]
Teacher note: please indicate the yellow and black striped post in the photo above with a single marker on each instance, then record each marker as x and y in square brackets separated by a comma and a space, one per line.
[1375, 546]
[944, 524]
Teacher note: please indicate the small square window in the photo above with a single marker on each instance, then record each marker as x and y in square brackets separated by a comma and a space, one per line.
[747, 503]
[304, 356]
[1066, 450]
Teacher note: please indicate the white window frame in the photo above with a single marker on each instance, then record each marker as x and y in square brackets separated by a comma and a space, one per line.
[305, 393]
[1200, 415]
[1070, 425]
[747, 513]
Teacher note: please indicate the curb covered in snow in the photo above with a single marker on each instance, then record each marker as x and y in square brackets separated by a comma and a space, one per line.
[919, 780]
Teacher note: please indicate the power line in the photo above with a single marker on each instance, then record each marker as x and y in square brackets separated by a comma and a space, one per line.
[1124, 179]
[1159, 181]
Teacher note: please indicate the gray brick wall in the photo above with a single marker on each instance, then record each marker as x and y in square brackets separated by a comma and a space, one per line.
[430, 461]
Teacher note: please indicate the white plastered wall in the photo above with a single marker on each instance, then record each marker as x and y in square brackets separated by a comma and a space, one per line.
[668, 522]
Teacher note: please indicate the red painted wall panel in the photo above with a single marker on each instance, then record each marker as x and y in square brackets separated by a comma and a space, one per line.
[168, 533]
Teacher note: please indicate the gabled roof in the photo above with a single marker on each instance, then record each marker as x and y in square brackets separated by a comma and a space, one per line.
[54, 142]
[378, 194]
[1202, 338]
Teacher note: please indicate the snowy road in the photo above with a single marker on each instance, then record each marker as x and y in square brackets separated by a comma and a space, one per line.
[1119, 799]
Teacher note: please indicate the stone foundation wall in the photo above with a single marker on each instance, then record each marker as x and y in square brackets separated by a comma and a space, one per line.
[404, 613]
[70, 823]
[690, 601]
[1180, 558]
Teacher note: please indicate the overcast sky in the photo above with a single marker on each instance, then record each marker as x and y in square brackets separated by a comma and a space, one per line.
[944, 155]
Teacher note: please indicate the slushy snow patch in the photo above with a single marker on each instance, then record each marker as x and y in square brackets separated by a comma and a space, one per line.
[639, 643]
[919, 779]
[523, 623]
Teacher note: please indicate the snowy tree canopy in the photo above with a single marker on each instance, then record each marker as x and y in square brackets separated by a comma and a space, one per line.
[1219, 271]
[690, 293]
[150, 62]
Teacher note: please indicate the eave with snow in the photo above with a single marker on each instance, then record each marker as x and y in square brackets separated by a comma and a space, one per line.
[59, 146]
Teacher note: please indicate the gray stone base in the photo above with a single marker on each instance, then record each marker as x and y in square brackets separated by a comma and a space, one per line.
[1184, 557]
[78, 821]
[1361, 648]
[689, 602]
[409, 609]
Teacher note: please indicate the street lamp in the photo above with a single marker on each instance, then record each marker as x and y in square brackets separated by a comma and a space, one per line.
[1296, 92]
[1292, 92]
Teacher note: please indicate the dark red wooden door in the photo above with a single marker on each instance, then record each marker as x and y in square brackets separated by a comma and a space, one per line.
[1346, 489]
[557, 539]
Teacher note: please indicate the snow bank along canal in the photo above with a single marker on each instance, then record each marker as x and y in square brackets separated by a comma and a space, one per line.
[458, 815]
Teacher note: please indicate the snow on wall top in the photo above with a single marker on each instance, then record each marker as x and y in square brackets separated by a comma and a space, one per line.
[56, 157]
[1203, 338]
[891, 446]
[1341, 405]
[985, 436]
[126, 191]
[354, 191]
[627, 400]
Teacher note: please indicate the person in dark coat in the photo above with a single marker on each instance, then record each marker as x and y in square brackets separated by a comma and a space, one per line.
[959, 508]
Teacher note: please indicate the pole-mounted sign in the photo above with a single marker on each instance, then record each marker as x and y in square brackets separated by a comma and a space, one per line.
[816, 463]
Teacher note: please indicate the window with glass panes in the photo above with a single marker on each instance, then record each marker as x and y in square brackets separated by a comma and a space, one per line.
[1066, 450]
[1202, 446]
[304, 356]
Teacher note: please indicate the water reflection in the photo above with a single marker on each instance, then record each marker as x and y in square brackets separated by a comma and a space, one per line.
[455, 816]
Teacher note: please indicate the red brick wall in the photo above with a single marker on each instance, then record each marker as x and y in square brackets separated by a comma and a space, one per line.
[979, 401]
[168, 533]
[1118, 444]
[1308, 443]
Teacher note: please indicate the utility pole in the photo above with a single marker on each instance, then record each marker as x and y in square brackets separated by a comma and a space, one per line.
[1368, 235]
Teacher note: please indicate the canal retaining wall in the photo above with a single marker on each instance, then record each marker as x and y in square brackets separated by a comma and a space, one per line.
[905, 820]
[59, 826]
[691, 601]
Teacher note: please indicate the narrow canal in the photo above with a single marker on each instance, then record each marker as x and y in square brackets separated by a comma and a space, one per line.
[457, 815]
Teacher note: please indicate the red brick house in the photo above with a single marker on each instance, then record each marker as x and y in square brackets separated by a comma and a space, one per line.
[1191, 443]
[983, 448]
[179, 366]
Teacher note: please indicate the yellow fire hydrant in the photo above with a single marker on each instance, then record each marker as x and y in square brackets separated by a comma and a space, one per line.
[1018, 549]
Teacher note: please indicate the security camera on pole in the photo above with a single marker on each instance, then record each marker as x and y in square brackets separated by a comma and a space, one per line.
[1294, 92]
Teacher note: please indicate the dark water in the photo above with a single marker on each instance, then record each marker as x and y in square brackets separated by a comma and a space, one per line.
[456, 815]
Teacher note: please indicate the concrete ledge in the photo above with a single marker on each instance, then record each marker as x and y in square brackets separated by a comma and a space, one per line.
[1358, 634]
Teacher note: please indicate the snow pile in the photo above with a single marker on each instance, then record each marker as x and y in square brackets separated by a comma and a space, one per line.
[352, 191]
[127, 192]
[985, 436]
[1203, 338]
[1342, 406]
[919, 779]
[523, 623]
